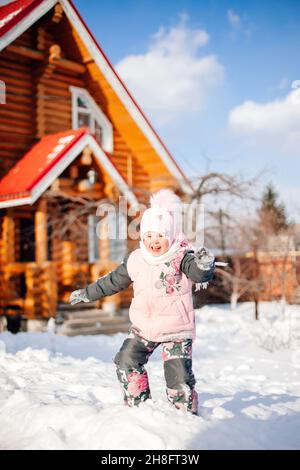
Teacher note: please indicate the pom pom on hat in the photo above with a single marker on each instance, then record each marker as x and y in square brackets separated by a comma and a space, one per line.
[165, 199]
[161, 217]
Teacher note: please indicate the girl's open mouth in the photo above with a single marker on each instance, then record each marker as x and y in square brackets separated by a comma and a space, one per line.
[156, 249]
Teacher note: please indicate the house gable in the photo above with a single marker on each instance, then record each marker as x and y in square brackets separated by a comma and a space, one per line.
[133, 132]
[47, 160]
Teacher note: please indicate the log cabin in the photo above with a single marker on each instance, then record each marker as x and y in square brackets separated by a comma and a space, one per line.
[71, 135]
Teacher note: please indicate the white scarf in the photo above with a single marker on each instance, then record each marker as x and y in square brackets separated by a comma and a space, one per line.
[164, 258]
[167, 256]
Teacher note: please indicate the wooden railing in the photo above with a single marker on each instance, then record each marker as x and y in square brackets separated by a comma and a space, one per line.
[40, 296]
[46, 283]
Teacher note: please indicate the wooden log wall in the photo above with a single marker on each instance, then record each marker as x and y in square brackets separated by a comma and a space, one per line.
[54, 113]
[80, 241]
[17, 240]
[129, 165]
[48, 296]
[65, 257]
[41, 289]
[63, 253]
[40, 222]
[15, 281]
[38, 100]
[17, 116]
[33, 308]
[8, 239]
[9, 283]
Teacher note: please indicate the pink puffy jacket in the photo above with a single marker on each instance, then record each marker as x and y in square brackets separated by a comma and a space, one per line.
[162, 305]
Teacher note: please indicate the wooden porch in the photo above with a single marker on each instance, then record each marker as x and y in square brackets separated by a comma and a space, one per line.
[39, 271]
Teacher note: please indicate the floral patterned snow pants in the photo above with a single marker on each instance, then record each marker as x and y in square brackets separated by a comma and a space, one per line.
[177, 357]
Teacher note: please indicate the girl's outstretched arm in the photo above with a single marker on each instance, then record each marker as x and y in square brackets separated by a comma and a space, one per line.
[109, 284]
[199, 266]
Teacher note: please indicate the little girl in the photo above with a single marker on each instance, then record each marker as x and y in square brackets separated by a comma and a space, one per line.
[161, 312]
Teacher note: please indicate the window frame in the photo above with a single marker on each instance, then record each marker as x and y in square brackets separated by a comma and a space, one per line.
[117, 246]
[95, 113]
[93, 241]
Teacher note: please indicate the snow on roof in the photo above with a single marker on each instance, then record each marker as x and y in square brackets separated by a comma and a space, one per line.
[46, 160]
[14, 12]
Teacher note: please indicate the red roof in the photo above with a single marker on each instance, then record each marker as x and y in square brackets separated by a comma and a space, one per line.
[13, 12]
[37, 162]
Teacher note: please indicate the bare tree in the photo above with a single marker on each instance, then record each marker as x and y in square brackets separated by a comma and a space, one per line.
[220, 193]
[216, 183]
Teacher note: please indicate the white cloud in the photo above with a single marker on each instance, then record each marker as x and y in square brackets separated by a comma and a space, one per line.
[234, 19]
[284, 83]
[273, 125]
[170, 79]
[238, 25]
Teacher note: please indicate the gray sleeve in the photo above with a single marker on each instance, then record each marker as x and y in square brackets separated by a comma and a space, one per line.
[190, 269]
[111, 283]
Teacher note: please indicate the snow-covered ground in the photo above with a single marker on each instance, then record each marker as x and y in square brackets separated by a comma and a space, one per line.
[62, 393]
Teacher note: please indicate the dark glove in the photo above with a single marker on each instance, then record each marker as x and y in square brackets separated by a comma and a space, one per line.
[77, 296]
[205, 260]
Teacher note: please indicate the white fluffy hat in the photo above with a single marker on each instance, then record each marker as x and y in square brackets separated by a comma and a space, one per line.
[163, 215]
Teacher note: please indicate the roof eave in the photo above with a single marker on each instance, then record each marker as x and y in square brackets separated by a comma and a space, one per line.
[64, 162]
[25, 23]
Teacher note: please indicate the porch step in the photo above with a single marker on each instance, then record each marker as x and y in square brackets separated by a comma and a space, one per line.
[67, 330]
[92, 319]
[67, 307]
[91, 322]
[85, 313]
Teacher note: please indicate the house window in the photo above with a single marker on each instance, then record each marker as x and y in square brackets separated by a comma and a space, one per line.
[93, 241]
[98, 132]
[84, 120]
[116, 237]
[117, 232]
[86, 112]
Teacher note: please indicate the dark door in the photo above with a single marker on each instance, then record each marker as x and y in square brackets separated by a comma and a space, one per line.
[27, 240]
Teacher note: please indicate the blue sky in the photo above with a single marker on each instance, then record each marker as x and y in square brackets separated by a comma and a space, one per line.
[218, 80]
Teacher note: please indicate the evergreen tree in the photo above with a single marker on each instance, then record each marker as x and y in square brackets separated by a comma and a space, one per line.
[272, 214]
